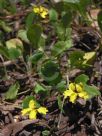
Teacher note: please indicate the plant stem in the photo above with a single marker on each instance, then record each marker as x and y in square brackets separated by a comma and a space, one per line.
[60, 116]
[5, 70]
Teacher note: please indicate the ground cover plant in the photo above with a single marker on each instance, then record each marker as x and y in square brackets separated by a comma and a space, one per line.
[50, 67]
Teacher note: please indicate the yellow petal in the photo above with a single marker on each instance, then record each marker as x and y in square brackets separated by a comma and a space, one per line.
[41, 9]
[86, 97]
[67, 93]
[81, 84]
[32, 104]
[83, 95]
[79, 88]
[42, 110]
[25, 111]
[36, 9]
[33, 114]
[72, 86]
[73, 97]
[43, 14]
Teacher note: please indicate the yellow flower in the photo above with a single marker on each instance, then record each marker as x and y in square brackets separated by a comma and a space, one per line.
[32, 104]
[72, 86]
[36, 10]
[73, 97]
[67, 93]
[42, 110]
[32, 110]
[83, 95]
[42, 11]
[33, 114]
[79, 88]
[25, 111]
[75, 91]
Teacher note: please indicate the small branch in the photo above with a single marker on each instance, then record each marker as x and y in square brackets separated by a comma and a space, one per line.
[6, 63]
[16, 15]
[2, 59]
[24, 92]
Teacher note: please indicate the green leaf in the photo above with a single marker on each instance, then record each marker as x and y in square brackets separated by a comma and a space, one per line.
[63, 33]
[36, 57]
[53, 15]
[34, 34]
[13, 53]
[22, 34]
[91, 90]
[50, 72]
[76, 59]
[60, 47]
[100, 20]
[12, 92]
[41, 43]
[66, 19]
[15, 48]
[82, 8]
[39, 88]
[46, 133]
[25, 103]
[68, 33]
[12, 7]
[15, 43]
[26, 100]
[30, 19]
[60, 103]
[82, 78]
[60, 30]
[68, 44]
[2, 37]
[5, 27]
[59, 6]
[85, 3]
[3, 4]
[4, 51]
[61, 87]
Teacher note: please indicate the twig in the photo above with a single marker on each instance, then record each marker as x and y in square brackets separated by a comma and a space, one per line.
[28, 90]
[16, 15]
[4, 66]
[6, 63]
